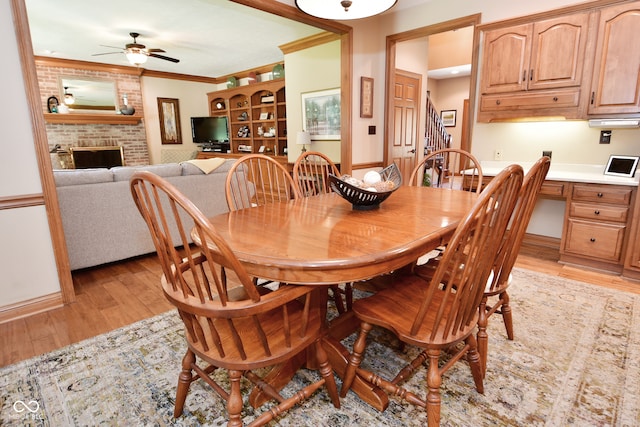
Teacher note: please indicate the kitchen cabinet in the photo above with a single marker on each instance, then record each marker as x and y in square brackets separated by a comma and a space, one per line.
[597, 221]
[542, 55]
[632, 261]
[534, 69]
[615, 86]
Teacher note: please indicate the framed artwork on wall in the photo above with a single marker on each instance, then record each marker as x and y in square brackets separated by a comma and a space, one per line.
[366, 97]
[169, 115]
[321, 114]
[448, 117]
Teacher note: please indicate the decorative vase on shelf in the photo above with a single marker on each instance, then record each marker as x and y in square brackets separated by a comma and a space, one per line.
[126, 109]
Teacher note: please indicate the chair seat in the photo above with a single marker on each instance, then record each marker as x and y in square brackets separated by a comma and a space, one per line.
[383, 309]
[271, 323]
[427, 269]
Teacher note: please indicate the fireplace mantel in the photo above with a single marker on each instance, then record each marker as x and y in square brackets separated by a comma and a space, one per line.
[85, 119]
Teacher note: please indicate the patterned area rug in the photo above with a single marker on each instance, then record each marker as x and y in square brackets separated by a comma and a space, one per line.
[575, 361]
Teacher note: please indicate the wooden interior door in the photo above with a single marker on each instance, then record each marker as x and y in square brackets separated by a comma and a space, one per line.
[405, 121]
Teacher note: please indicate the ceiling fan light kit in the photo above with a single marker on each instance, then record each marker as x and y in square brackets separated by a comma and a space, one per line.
[137, 54]
[344, 9]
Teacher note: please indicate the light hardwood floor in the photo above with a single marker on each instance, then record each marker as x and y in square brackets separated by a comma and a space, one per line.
[122, 293]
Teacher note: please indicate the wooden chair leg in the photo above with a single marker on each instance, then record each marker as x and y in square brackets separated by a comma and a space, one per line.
[473, 358]
[348, 295]
[327, 373]
[506, 314]
[408, 370]
[434, 380]
[184, 381]
[337, 298]
[483, 337]
[355, 358]
[234, 404]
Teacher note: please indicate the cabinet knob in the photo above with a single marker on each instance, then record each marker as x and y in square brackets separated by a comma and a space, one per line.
[555, 99]
[497, 102]
[600, 194]
[596, 212]
[593, 239]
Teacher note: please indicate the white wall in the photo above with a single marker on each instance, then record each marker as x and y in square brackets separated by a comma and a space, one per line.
[27, 261]
[310, 70]
[192, 97]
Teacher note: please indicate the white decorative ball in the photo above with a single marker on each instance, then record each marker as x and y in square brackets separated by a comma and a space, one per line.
[371, 178]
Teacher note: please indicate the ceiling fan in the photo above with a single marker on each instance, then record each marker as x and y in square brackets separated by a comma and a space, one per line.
[138, 53]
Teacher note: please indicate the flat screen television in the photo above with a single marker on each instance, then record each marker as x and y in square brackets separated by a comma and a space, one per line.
[205, 130]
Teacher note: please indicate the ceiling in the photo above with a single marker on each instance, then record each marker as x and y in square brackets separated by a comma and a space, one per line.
[211, 38]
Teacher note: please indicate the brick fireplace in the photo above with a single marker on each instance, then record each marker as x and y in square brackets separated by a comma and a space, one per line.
[132, 137]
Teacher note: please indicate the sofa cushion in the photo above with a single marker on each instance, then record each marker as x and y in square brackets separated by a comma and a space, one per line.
[68, 177]
[124, 173]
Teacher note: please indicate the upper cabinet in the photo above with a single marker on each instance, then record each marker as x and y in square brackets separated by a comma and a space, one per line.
[615, 87]
[542, 55]
[575, 64]
[534, 68]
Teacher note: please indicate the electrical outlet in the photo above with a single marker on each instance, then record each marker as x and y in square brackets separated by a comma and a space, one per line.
[605, 136]
[497, 155]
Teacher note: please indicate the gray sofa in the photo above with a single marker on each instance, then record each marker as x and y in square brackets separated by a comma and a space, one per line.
[101, 222]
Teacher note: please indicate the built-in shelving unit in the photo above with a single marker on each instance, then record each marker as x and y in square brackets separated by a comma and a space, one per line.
[257, 117]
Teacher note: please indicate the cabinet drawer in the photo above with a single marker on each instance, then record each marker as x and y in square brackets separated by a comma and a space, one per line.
[596, 240]
[603, 194]
[527, 101]
[599, 212]
[550, 188]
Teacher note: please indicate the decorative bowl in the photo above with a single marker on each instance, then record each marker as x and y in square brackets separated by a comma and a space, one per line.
[362, 199]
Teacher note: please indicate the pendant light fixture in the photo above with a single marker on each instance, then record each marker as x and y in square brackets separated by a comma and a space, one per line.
[344, 9]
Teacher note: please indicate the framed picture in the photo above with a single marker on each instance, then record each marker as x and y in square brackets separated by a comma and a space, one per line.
[169, 114]
[321, 114]
[448, 117]
[366, 97]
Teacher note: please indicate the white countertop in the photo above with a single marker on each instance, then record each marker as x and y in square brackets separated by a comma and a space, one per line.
[565, 172]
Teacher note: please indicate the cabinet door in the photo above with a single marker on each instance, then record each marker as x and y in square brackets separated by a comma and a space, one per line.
[505, 59]
[558, 51]
[615, 87]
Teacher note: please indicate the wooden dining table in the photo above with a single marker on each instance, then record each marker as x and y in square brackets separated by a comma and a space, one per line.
[321, 240]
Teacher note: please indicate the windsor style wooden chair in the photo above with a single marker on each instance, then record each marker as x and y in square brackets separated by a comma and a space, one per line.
[448, 168]
[237, 328]
[255, 180]
[443, 312]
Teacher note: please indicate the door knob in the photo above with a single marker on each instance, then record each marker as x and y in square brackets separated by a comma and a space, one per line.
[412, 151]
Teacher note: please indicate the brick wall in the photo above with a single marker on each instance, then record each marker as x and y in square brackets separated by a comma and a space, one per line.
[132, 137]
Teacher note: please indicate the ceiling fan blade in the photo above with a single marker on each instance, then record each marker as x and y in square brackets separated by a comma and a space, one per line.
[166, 58]
[154, 50]
[105, 53]
[112, 47]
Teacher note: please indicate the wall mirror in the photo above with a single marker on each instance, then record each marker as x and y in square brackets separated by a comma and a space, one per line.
[88, 95]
